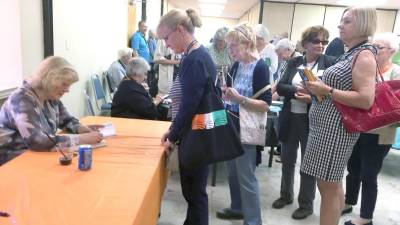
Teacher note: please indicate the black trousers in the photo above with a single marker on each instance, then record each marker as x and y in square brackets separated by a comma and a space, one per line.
[193, 183]
[364, 166]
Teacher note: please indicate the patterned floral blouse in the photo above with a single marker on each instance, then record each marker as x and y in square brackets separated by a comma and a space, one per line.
[220, 58]
[35, 125]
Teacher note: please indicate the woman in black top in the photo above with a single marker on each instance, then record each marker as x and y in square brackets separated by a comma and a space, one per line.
[132, 100]
[293, 120]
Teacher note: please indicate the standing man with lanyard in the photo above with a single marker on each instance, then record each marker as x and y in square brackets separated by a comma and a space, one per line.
[138, 42]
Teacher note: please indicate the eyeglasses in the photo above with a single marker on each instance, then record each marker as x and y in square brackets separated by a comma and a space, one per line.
[380, 47]
[317, 41]
[167, 36]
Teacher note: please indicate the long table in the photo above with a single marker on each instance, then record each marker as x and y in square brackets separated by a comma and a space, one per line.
[124, 186]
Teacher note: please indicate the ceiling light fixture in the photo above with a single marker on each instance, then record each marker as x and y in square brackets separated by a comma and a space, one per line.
[207, 6]
[362, 2]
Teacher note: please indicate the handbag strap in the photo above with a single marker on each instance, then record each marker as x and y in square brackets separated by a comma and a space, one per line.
[378, 70]
[260, 92]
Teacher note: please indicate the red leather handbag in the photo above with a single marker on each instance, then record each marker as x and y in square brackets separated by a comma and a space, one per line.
[384, 111]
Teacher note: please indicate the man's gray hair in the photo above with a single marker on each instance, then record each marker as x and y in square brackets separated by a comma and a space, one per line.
[137, 66]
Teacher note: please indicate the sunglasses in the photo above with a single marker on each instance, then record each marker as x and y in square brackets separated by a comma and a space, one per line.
[317, 41]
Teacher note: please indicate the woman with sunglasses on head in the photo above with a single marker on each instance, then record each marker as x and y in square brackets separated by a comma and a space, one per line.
[329, 145]
[368, 154]
[293, 120]
[196, 68]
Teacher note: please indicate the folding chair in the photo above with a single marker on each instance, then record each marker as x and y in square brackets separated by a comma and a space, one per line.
[89, 103]
[110, 89]
[100, 97]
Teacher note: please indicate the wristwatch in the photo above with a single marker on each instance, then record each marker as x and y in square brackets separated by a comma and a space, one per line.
[330, 92]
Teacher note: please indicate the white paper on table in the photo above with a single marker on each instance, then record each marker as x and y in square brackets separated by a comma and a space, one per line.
[108, 130]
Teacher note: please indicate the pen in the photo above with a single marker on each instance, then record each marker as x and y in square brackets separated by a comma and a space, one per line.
[55, 143]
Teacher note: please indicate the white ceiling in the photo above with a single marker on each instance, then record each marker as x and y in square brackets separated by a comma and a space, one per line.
[236, 8]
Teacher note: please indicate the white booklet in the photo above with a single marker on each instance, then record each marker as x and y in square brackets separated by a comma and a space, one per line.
[108, 130]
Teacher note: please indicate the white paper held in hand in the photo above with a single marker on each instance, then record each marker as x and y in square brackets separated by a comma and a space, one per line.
[108, 130]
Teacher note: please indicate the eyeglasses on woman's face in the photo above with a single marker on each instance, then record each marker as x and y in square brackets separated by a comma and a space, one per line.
[380, 47]
[166, 37]
[317, 42]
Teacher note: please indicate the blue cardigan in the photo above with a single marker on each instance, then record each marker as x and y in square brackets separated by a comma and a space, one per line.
[193, 74]
[260, 79]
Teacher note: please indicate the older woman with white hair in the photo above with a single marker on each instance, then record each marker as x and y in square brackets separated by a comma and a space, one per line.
[285, 50]
[219, 51]
[34, 112]
[368, 154]
[266, 50]
[117, 70]
[132, 100]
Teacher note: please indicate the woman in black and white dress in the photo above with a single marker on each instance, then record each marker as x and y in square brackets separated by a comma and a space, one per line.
[329, 145]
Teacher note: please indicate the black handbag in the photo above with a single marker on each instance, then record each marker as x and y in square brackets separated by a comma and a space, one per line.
[212, 136]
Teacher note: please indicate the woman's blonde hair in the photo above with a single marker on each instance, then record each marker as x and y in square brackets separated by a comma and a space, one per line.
[243, 34]
[365, 19]
[188, 19]
[51, 70]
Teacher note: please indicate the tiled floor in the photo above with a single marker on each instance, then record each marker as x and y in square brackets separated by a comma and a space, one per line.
[387, 208]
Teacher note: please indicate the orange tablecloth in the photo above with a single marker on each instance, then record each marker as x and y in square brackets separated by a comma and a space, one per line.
[124, 186]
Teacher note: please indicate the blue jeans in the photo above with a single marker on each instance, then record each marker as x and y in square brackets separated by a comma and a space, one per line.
[364, 166]
[243, 185]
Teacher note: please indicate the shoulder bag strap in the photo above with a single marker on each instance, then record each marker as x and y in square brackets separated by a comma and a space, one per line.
[260, 92]
[378, 70]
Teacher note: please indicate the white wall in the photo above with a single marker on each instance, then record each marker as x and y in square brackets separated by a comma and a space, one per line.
[277, 17]
[397, 24]
[210, 26]
[306, 15]
[32, 35]
[88, 34]
[250, 17]
[153, 8]
[10, 46]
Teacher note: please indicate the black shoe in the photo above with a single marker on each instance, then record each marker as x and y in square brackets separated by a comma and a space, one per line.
[280, 203]
[301, 213]
[348, 210]
[228, 214]
[350, 223]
